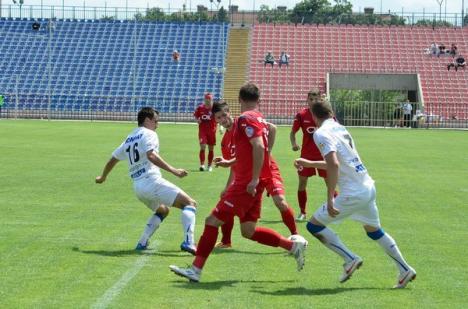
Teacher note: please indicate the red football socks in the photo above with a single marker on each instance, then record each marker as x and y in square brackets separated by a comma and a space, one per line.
[302, 199]
[271, 238]
[201, 155]
[210, 157]
[205, 245]
[226, 230]
[288, 220]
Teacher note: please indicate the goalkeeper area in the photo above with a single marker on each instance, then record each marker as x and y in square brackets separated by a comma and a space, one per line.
[67, 242]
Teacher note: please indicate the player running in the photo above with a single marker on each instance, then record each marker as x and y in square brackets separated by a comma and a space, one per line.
[274, 187]
[357, 199]
[305, 122]
[141, 151]
[244, 195]
[206, 131]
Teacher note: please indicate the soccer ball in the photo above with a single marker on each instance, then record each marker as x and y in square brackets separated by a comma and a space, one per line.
[297, 238]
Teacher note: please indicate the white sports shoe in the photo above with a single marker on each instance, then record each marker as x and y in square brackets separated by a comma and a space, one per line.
[301, 217]
[349, 268]
[298, 249]
[210, 169]
[189, 273]
[405, 278]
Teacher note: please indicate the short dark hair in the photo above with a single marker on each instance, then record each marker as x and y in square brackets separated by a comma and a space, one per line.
[322, 109]
[249, 93]
[219, 106]
[146, 112]
[314, 92]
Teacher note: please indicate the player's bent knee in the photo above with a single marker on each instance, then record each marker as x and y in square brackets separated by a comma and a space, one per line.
[162, 212]
[280, 203]
[213, 221]
[247, 230]
[247, 233]
[314, 228]
[376, 234]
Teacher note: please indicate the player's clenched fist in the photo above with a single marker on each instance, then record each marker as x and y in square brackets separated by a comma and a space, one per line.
[180, 172]
[300, 163]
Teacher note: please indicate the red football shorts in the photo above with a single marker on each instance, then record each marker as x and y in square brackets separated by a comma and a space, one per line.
[274, 185]
[207, 138]
[309, 172]
[237, 202]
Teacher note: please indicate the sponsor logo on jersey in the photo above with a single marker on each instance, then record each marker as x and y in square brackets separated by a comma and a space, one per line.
[138, 173]
[131, 139]
[206, 117]
[310, 130]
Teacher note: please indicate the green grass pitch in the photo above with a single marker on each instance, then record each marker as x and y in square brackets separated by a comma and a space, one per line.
[66, 242]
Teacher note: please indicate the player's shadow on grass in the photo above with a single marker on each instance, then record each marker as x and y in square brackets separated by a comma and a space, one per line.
[270, 221]
[216, 285]
[231, 250]
[115, 253]
[129, 252]
[310, 291]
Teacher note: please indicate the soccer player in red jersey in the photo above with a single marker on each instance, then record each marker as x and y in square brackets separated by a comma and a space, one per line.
[206, 130]
[244, 195]
[309, 151]
[274, 185]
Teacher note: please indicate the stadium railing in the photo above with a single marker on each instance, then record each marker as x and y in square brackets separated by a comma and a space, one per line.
[349, 113]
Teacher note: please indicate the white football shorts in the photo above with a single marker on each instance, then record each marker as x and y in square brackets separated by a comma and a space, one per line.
[156, 191]
[361, 208]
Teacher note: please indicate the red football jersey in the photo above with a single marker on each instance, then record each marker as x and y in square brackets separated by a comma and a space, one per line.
[203, 113]
[249, 125]
[304, 121]
[227, 145]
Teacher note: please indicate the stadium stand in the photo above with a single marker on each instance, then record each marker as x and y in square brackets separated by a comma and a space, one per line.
[93, 63]
[318, 49]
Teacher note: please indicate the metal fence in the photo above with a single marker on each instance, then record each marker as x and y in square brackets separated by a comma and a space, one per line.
[236, 17]
[349, 113]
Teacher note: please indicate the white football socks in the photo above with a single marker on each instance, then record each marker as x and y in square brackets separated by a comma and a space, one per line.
[151, 227]
[188, 223]
[391, 248]
[334, 243]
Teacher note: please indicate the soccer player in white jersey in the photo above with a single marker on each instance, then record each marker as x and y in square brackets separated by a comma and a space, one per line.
[357, 195]
[141, 151]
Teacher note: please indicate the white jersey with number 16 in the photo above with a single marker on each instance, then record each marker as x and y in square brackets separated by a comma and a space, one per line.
[134, 149]
[352, 174]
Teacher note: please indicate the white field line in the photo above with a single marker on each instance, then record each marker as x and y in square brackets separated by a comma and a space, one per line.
[115, 290]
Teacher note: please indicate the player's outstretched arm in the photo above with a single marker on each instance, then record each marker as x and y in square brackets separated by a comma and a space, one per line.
[159, 162]
[107, 169]
[221, 162]
[301, 163]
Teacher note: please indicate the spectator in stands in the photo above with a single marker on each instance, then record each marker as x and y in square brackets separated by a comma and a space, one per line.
[269, 59]
[458, 63]
[434, 49]
[283, 59]
[175, 56]
[441, 50]
[453, 50]
[50, 25]
[407, 109]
